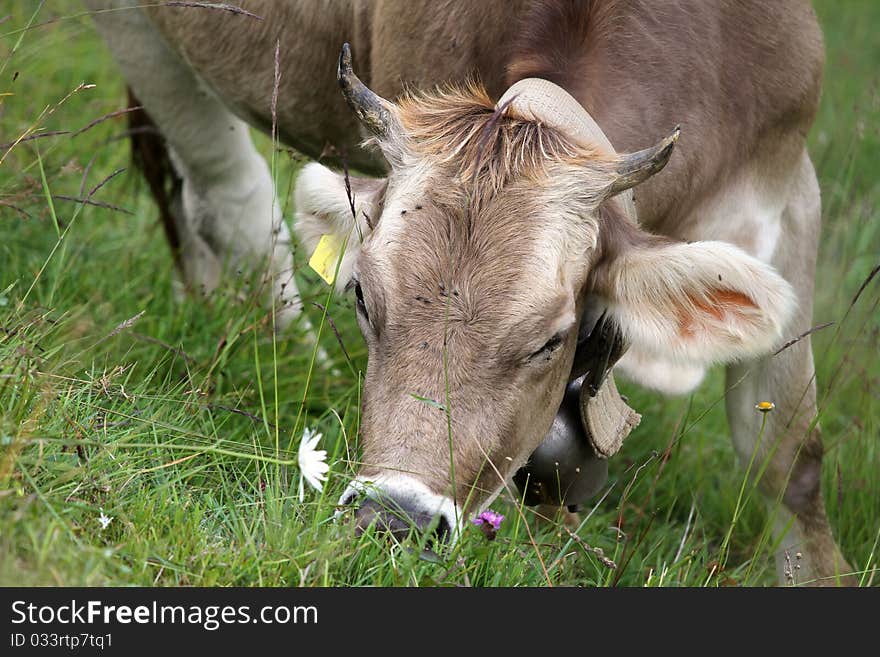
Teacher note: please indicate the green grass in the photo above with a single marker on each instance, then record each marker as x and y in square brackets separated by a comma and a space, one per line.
[144, 422]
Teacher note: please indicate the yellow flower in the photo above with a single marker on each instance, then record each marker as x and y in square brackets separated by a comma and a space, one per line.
[765, 406]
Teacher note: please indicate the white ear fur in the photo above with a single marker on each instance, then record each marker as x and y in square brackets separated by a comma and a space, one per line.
[658, 374]
[322, 207]
[698, 303]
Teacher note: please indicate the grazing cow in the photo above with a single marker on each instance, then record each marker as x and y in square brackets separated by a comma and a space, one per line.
[504, 262]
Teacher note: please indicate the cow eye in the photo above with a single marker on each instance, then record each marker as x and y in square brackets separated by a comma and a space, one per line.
[361, 305]
[549, 347]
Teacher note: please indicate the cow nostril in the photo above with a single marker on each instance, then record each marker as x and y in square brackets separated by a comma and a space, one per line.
[398, 520]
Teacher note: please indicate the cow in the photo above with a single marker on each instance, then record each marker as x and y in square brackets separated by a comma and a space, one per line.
[519, 211]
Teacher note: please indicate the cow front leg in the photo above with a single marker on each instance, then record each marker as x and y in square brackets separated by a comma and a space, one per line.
[229, 218]
[785, 445]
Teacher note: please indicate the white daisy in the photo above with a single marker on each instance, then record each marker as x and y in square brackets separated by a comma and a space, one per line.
[312, 462]
[104, 520]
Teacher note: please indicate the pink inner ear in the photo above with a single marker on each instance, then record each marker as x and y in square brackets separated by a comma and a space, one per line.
[714, 305]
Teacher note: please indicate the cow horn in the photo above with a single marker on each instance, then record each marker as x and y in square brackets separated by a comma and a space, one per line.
[637, 167]
[373, 111]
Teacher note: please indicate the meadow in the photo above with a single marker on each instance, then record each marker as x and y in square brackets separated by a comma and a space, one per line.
[149, 440]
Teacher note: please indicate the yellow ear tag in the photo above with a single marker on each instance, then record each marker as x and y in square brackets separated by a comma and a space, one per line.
[326, 256]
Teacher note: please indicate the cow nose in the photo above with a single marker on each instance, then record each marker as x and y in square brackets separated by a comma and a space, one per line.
[399, 519]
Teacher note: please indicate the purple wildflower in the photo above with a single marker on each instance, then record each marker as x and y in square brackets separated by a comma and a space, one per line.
[489, 517]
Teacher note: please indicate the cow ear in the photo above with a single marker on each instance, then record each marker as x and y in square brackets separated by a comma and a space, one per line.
[322, 207]
[693, 303]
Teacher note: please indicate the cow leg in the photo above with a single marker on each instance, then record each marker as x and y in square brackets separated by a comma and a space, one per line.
[789, 447]
[230, 219]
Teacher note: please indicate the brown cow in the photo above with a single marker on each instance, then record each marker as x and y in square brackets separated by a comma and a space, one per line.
[500, 227]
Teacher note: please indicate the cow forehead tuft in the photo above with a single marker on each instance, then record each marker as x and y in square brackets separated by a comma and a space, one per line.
[460, 129]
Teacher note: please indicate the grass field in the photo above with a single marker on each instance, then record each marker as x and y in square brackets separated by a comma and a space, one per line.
[180, 421]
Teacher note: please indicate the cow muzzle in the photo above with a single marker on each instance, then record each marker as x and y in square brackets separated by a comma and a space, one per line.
[399, 506]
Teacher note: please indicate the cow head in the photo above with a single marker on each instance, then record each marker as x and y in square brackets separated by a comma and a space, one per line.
[471, 263]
